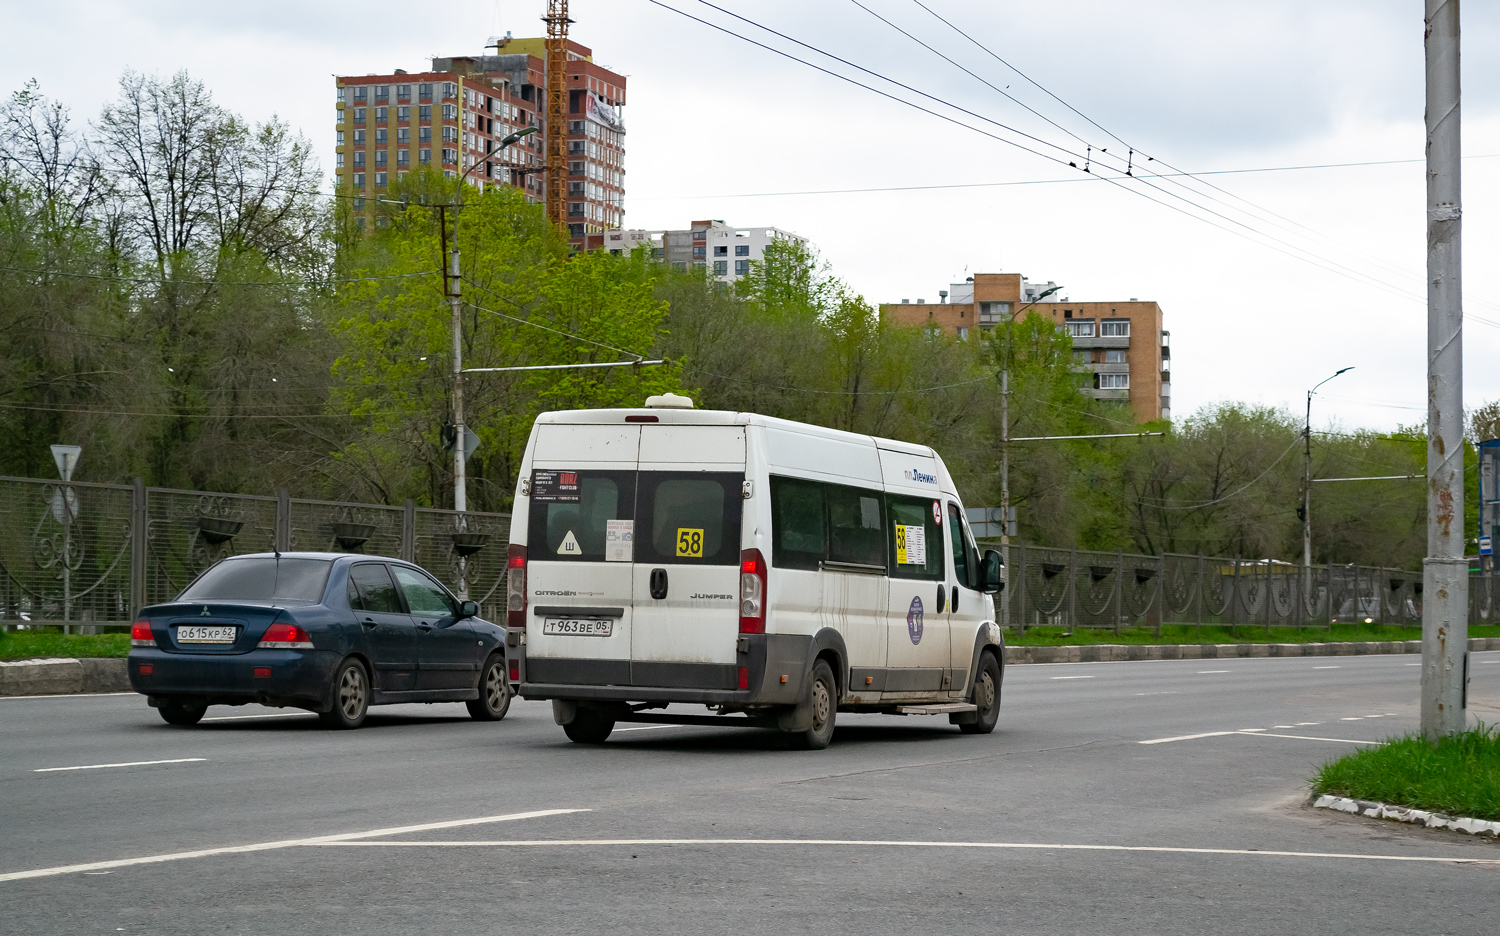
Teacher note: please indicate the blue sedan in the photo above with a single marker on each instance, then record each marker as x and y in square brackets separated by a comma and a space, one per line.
[331, 633]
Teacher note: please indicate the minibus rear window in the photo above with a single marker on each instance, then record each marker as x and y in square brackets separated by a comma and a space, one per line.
[571, 521]
[691, 518]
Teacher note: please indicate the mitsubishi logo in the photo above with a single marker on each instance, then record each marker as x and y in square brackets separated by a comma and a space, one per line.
[204, 612]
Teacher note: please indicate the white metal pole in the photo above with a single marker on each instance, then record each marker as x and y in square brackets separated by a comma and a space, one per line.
[1445, 571]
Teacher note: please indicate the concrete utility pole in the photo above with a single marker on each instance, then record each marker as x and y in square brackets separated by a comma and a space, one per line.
[1445, 571]
[451, 287]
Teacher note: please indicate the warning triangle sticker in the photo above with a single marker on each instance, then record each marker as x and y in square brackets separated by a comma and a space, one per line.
[569, 546]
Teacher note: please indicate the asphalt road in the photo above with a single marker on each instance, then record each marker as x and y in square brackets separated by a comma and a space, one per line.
[1059, 822]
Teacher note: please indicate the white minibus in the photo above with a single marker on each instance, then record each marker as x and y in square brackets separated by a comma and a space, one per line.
[773, 571]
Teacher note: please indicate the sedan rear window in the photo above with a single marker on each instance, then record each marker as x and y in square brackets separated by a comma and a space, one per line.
[262, 578]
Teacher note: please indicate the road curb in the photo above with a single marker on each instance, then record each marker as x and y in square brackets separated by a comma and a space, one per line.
[1421, 817]
[63, 676]
[1116, 653]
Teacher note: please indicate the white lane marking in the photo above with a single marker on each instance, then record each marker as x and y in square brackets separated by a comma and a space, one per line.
[285, 843]
[1304, 724]
[138, 763]
[1306, 738]
[1070, 677]
[1187, 737]
[1418, 664]
[268, 715]
[67, 695]
[98, 872]
[1171, 692]
[1204, 672]
[649, 728]
[1352, 718]
[1252, 729]
[1325, 667]
[1283, 726]
[848, 843]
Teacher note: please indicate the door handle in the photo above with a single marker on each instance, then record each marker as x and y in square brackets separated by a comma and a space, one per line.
[368, 622]
[953, 605]
[942, 599]
[658, 583]
[423, 626]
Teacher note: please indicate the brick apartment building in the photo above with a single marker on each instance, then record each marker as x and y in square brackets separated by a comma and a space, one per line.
[454, 116]
[723, 249]
[1122, 344]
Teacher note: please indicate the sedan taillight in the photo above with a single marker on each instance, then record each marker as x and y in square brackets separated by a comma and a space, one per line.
[140, 634]
[285, 637]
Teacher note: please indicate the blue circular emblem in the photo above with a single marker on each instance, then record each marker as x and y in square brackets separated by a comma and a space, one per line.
[914, 620]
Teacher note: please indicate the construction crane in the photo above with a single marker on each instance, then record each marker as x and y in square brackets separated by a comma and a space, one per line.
[557, 112]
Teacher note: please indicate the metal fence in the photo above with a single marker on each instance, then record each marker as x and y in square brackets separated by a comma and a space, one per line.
[1075, 588]
[82, 554]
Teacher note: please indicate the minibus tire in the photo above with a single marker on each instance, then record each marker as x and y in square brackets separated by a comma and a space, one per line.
[589, 726]
[986, 695]
[822, 699]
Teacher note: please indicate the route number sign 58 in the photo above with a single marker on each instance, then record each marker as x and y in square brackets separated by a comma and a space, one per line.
[689, 543]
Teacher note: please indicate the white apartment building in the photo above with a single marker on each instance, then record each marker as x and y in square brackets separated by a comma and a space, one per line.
[724, 250]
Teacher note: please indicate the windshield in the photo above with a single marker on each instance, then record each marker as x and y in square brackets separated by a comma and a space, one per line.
[262, 578]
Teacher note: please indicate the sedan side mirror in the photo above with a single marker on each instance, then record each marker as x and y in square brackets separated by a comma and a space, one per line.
[993, 572]
[468, 609]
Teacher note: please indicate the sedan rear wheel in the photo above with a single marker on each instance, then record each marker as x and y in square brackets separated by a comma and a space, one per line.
[351, 696]
[181, 713]
[494, 691]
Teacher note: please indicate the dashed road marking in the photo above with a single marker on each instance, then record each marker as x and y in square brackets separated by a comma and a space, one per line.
[1205, 671]
[139, 763]
[1325, 667]
[1071, 677]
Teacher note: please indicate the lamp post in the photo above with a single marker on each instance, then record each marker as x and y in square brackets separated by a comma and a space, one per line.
[1005, 443]
[1307, 478]
[451, 290]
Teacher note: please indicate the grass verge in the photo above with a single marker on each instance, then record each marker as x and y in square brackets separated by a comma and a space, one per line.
[1460, 776]
[1216, 634]
[30, 645]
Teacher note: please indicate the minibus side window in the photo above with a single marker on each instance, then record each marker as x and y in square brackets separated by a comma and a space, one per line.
[915, 541]
[854, 528]
[569, 521]
[797, 540]
[956, 540]
[690, 518]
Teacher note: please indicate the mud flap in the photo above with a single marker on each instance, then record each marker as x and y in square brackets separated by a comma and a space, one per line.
[796, 718]
[564, 711]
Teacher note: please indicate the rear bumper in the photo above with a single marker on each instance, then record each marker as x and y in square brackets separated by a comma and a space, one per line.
[296, 677]
[774, 666]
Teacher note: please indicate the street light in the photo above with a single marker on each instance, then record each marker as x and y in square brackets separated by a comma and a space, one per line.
[1307, 474]
[1005, 442]
[451, 283]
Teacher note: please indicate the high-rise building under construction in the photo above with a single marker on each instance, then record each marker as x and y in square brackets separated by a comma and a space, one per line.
[454, 116]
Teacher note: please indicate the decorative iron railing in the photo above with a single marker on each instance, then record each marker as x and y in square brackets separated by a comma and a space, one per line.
[81, 554]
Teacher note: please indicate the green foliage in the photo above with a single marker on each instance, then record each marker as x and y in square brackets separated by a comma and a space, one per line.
[40, 644]
[527, 304]
[1460, 775]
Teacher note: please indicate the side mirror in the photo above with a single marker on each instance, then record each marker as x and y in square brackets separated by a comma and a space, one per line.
[992, 572]
[468, 609]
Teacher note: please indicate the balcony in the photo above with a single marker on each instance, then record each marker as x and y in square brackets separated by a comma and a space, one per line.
[1097, 341]
[1110, 368]
[1119, 395]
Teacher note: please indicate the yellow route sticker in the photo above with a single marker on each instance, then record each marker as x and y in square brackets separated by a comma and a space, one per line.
[689, 543]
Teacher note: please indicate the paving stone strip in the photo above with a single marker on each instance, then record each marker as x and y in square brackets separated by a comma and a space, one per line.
[1421, 817]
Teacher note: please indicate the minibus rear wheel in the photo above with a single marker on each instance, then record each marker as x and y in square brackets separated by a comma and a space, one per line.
[589, 726]
[822, 698]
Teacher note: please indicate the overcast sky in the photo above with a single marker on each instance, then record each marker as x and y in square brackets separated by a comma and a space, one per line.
[717, 127]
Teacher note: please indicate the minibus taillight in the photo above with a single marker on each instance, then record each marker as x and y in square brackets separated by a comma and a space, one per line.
[752, 592]
[515, 606]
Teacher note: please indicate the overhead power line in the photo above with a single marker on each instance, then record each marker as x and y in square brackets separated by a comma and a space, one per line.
[178, 282]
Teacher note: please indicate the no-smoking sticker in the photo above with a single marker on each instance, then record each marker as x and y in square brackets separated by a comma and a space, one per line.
[937, 513]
